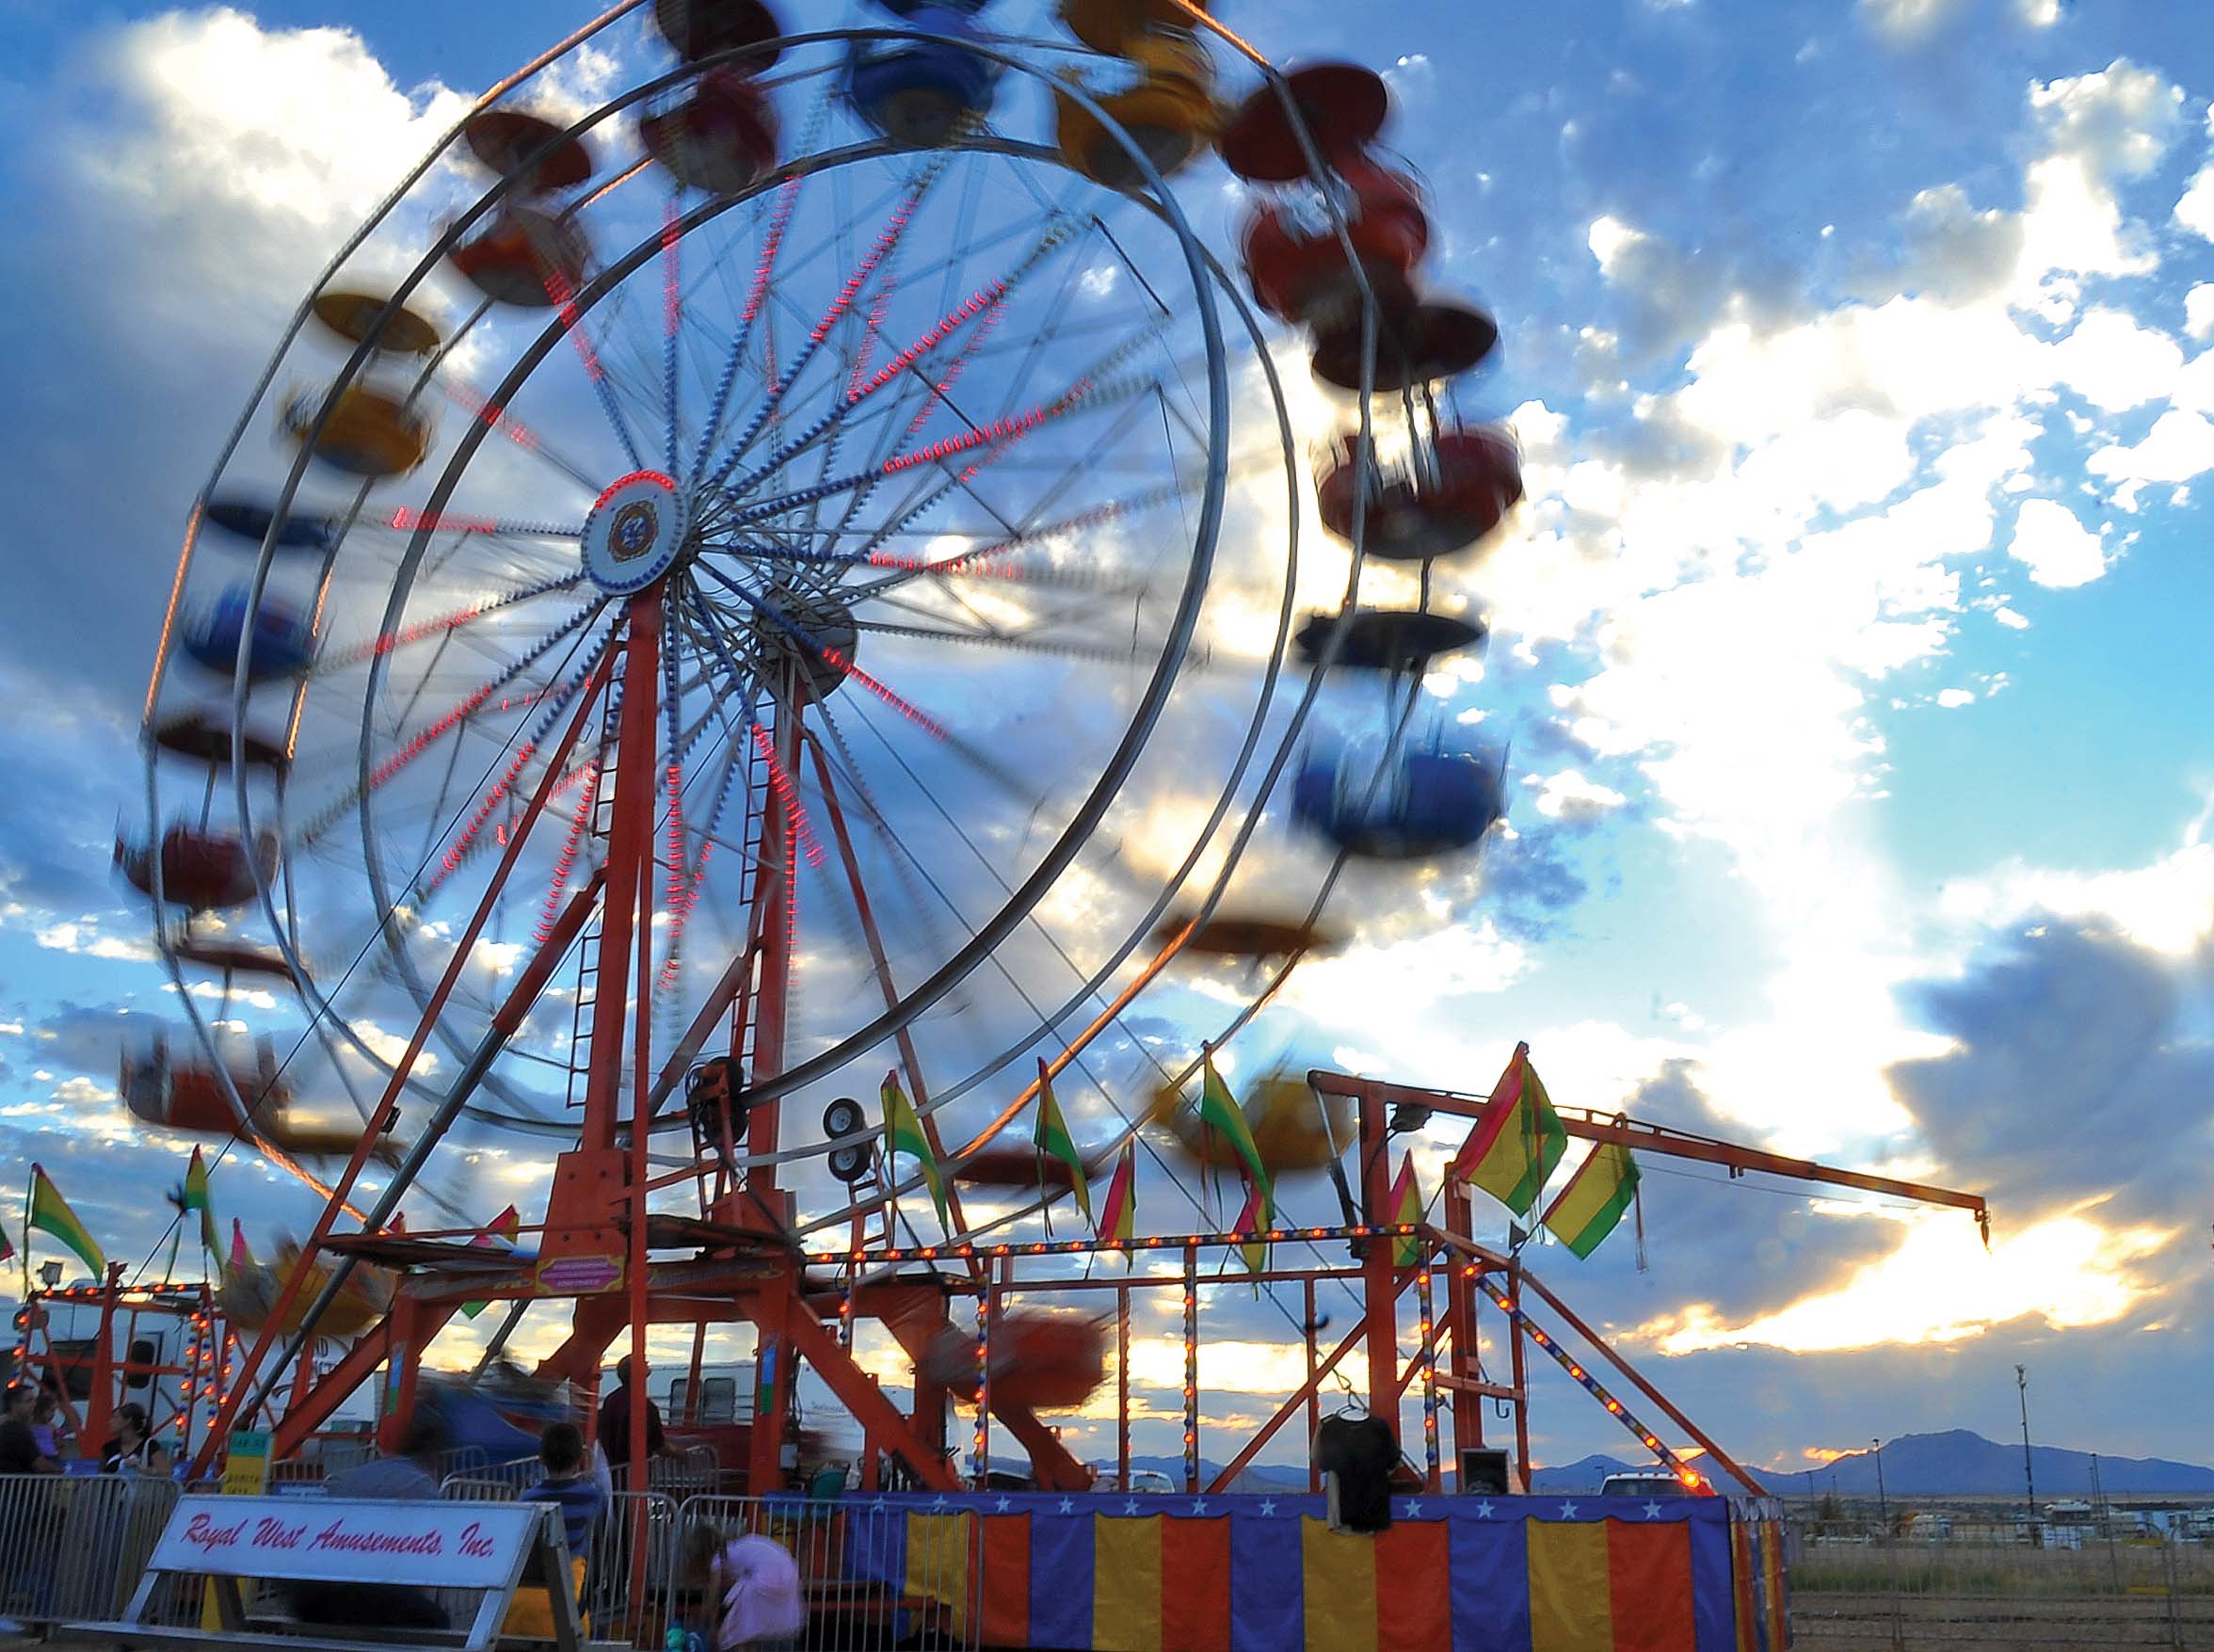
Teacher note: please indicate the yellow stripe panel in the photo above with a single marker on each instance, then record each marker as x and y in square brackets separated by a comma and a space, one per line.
[1569, 1610]
[1340, 1571]
[938, 1566]
[1126, 1584]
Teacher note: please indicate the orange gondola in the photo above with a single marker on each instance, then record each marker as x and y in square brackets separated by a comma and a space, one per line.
[185, 1093]
[370, 431]
[1294, 1128]
[1039, 1361]
[1170, 114]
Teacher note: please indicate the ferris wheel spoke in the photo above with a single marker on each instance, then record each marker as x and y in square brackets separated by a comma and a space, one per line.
[887, 241]
[672, 320]
[455, 716]
[579, 337]
[446, 623]
[480, 406]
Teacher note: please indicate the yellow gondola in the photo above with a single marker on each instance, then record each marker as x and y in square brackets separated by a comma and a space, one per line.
[1294, 1128]
[351, 315]
[370, 432]
[1170, 114]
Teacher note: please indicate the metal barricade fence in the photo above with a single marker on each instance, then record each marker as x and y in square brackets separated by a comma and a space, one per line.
[72, 1546]
[871, 1578]
[631, 1569]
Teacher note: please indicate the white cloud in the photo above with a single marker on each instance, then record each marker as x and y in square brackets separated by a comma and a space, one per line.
[1938, 1287]
[2167, 904]
[2011, 619]
[1568, 795]
[2038, 13]
[2114, 362]
[2056, 549]
[1953, 699]
[1608, 238]
[2178, 446]
[2198, 310]
[1907, 20]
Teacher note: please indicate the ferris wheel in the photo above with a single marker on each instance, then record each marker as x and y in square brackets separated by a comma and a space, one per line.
[795, 569]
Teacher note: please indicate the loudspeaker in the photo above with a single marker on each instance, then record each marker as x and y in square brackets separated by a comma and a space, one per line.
[1483, 1471]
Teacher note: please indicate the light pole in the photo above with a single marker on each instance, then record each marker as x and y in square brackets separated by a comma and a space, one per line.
[1883, 1504]
[2029, 1479]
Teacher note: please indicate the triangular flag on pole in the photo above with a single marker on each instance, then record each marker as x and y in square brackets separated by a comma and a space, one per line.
[1118, 1216]
[1597, 1195]
[1521, 1138]
[903, 1133]
[200, 1197]
[1254, 1219]
[51, 1214]
[1219, 1111]
[1054, 1138]
[1406, 1207]
[498, 1234]
[240, 1255]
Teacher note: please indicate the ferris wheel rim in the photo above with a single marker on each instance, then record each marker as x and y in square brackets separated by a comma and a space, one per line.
[1200, 267]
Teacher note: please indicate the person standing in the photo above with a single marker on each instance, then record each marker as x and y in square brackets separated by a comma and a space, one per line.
[132, 1448]
[569, 1485]
[614, 1424]
[19, 1451]
[410, 1474]
[756, 1583]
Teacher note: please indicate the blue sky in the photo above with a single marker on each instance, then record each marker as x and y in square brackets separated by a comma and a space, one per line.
[1851, 639]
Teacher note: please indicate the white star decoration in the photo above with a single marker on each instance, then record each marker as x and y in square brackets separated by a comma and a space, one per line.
[1484, 1511]
[1198, 1505]
[1004, 1504]
[943, 1502]
[1131, 1507]
[1414, 1507]
[1068, 1505]
[1567, 1510]
[1652, 1511]
[880, 1504]
[1268, 1505]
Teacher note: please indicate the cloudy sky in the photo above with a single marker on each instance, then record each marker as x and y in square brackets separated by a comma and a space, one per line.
[1863, 361]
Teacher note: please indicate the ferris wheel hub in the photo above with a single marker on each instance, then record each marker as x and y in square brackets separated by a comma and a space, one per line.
[635, 534]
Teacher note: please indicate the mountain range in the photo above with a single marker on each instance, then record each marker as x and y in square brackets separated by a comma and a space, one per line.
[1954, 1463]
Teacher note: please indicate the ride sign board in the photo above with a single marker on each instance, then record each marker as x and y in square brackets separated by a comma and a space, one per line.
[424, 1543]
[580, 1275]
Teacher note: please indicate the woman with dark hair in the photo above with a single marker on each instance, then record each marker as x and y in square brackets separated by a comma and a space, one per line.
[132, 1448]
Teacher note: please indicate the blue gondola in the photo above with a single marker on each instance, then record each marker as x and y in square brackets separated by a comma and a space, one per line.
[922, 93]
[1433, 801]
[282, 643]
[249, 519]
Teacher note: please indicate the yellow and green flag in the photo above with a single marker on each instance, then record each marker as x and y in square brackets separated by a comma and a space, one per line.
[1219, 1112]
[50, 1214]
[1054, 1138]
[903, 1133]
[1520, 1141]
[198, 1198]
[1406, 1207]
[1587, 1210]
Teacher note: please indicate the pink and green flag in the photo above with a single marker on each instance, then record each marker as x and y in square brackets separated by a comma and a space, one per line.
[1118, 1216]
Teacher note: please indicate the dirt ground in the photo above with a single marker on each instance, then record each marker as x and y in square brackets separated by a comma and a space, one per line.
[1864, 1623]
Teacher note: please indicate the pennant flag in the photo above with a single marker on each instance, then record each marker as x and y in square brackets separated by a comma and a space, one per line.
[1520, 1141]
[50, 1212]
[1220, 1112]
[1406, 1206]
[1253, 1219]
[7, 1246]
[1054, 1137]
[1118, 1216]
[240, 1255]
[498, 1234]
[1593, 1202]
[198, 1198]
[903, 1133]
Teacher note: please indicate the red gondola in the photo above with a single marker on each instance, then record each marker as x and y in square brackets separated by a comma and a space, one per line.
[700, 29]
[1459, 488]
[720, 138]
[1020, 1167]
[1342, 106]
[532, 150]
[1039, 1361]
[526, 256]
[200, 871]
[1416, 344]
[1299, 270]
